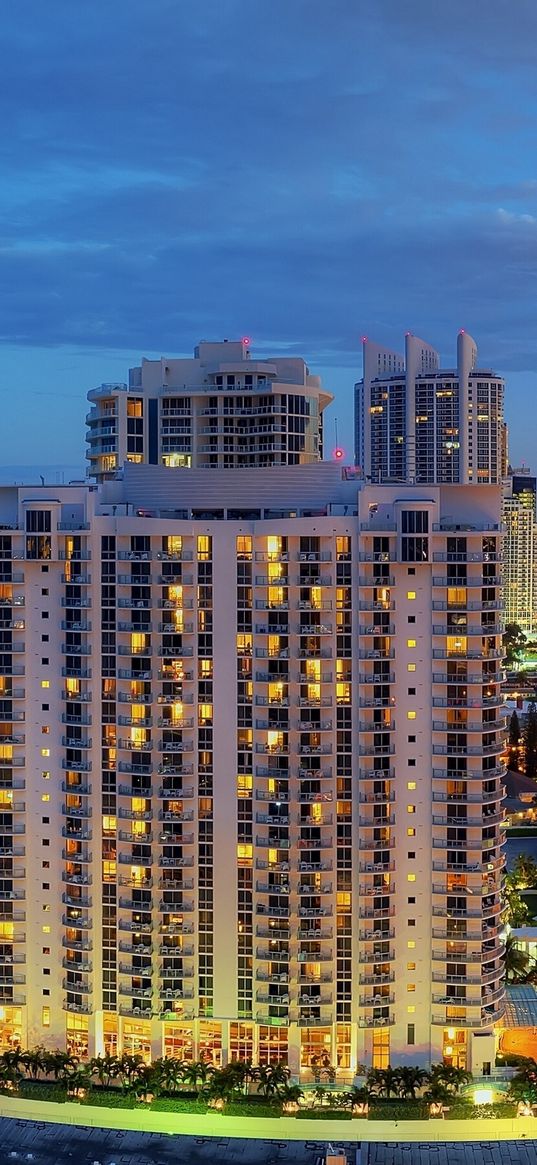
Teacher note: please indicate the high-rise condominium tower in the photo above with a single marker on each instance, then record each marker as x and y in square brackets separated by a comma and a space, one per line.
[250, 776]
[219, 410]
[520, 548]
[417, 422]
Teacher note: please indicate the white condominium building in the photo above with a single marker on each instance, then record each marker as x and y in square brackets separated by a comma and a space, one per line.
[250, 777]
[220, 410]
[417, 422]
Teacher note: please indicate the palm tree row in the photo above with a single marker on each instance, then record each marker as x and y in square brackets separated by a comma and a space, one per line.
[219, 1085]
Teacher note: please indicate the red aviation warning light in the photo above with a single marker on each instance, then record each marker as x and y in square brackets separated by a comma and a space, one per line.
[338, 454]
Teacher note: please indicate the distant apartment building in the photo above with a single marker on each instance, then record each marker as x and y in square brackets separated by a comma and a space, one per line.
[417, 422]
[220, 410]
[520, 550]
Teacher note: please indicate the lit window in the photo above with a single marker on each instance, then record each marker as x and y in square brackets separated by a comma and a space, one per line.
[411, 966]
[45, 796]
[411, 944]
[45, 1016]
[45, 683]
[45, 752]
[411, 808]
[411, 594]
[411, 784]
[46, 775]
[411, 715]
[411, 642]
[410, 832]
[411, 986]
[411, 1009]
[411, 877]
[411, 667]
[45, 929]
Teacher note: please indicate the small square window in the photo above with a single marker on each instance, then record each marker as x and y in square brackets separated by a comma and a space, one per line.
[411, 901]
[45, 707]
[411, 715]
[411, 877]
[411, 966]
[411, 1010]
[44, 570]
[45, 885]
[411, 691]
[411, 944]
[46, 970]
[411, 594]
[411, 986]
[411, 784]
[45, 752]
[45, 683]
[46, 990]
[411, 762]
[45, 929]
[411, 618]
[411, 570]
[411, 853]
[45, 865]
[44, 639]
[411, 832]
[45, 841]
[411, 667]
[411, 921]
[45, 821]
[44, 659]
[44, 590]
[44, 614]
[411, 739]
[46, 950]
[411, 642]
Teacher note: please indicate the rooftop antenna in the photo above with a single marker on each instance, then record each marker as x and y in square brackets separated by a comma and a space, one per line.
[42, 479]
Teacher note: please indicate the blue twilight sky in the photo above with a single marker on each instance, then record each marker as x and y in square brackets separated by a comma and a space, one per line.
[299, 171]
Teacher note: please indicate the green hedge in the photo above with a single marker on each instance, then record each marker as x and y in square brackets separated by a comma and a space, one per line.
[323, 1114]
[398, 1110]
[461, 1110]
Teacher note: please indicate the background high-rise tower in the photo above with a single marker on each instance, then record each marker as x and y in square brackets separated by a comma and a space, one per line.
[417, 422]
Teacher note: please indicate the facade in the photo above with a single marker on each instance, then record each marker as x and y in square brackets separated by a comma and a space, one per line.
[417, 422]
[250, 779]
[520, 546]
[219, 410]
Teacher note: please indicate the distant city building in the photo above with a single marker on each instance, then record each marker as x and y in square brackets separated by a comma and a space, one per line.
[419, 423]
[520, 550]
[220, 410]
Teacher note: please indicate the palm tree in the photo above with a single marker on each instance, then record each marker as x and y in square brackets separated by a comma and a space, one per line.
[79, 1080]
[518, 962]
[11, 1064]
[197, 1073]
[383, 1082]
[33, 1061]
[523, 1086]
[60, 1065]
[105, 1068]
[449, 1077]
[272, 1079]
[409, 1080]
[130, 1069]
[169, 1073]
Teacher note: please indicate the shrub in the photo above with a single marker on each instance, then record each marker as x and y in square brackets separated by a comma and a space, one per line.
[323, 1114]
[398, 1110]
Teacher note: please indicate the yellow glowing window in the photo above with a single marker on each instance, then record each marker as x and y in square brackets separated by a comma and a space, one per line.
[138, 804]
[410, 832]
[274, 546]
[411, 808]
[45, 1016]
[6, 798]
[313, 670]
[137, 874]
[316, 812]
[411, 784]
[178, 620]
[411, 642]
[139, 736]
[276, 596]
[343, 693]
[173, 543]
[343, 899]
[205, 713]
[244, 545]
[343, 544]
[45, 929]
[245, 852]
[172, 460]
[175, 594]
[134, 408]
[411, 877]
[45, 683]
[205, 668]
[204, 547]
[456, 644]
[316, 597]
[109, 871]
[411, 1009]
[411, 966]
[411, 667]
[46, 775]
[411, 594]
[138, 642]
[136, 458]
[411, 715]
[44, 752]
[45, 796]
[244, 785]
[140, 828]
[109, 824]
[411, 944]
